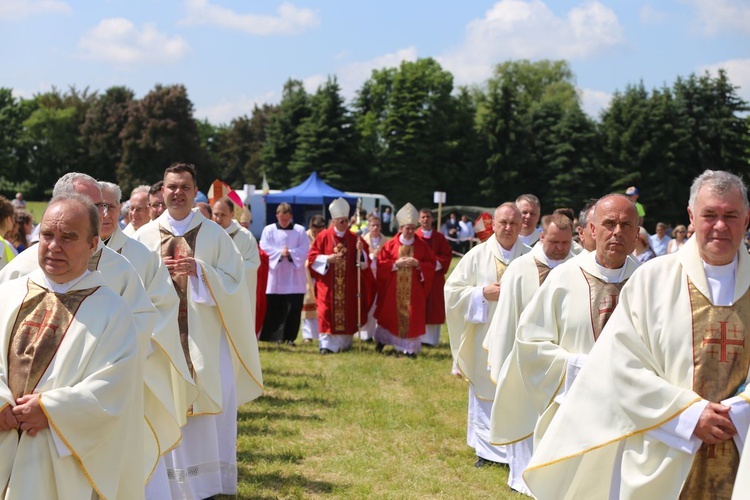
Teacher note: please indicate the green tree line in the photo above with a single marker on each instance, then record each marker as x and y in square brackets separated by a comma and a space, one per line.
[409, 131]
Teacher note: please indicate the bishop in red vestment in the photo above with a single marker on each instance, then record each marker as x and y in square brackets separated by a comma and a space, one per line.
[406, 267]
[335, 258]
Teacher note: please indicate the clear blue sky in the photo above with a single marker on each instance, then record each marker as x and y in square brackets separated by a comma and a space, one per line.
[231, 54]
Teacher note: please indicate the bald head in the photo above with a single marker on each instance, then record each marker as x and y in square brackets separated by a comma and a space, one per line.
[506, 224]
[615, 229]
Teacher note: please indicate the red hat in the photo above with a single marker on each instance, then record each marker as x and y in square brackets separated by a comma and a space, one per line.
[483, 226]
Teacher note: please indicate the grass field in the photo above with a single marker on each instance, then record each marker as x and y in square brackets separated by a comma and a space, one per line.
[360, 425]
[36, 208]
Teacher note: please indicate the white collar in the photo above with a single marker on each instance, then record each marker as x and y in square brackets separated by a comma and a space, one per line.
[63, 287]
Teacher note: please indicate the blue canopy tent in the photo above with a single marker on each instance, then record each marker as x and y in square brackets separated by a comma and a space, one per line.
[307, 199]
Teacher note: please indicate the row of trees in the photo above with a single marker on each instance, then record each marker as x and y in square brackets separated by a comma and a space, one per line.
[408, 132]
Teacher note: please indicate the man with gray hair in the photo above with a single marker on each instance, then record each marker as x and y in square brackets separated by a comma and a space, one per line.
[139, 209]
[531, 212]
[587, 240]
[71, 371]
[660, 410]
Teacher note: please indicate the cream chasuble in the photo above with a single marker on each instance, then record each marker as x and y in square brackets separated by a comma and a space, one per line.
[248, 248]
[86, 366]
[659, 354]
[120, 276]
[482, 265]
[224, 275]
[564, 318]
[519, 283]
[171, 390]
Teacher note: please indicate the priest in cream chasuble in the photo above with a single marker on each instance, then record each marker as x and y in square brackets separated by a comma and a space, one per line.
[660, 410]
[472, 292]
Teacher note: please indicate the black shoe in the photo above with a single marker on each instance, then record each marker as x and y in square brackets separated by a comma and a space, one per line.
[379, 347]
[325, 351]
[412, 355]
[483, 462]
[369, 341]
[291, 343]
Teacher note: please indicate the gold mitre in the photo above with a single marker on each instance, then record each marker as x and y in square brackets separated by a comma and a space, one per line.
[339, 208]
[407, 215]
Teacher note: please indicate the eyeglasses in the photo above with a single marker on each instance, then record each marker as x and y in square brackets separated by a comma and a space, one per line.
[104, 208]
[137, 209]
[156, 205]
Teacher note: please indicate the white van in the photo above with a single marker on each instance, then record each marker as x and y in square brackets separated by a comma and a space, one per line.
[372, 200]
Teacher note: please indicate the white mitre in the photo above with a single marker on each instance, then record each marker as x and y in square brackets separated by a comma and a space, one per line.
[407, 215]
[339, 208]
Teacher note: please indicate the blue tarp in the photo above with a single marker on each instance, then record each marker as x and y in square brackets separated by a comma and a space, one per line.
[311, 192]
[311, 197]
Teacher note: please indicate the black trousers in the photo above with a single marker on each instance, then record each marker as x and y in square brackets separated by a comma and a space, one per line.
[283, 316]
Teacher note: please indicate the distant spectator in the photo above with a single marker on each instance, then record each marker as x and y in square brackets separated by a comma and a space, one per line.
[465, 233]
[634, 194]
[386, 220]
[450, 230]
[7, 252]
[679, 237]
[24, 226]
[18, 203]
[660, 240]
[643, 251]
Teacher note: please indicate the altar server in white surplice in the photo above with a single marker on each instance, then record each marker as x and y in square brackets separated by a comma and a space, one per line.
[472, 292]
[520, 281]
[222, 354]
[660, 409]
[71, 373]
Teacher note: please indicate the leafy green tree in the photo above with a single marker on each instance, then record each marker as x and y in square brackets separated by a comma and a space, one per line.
[13, 157]
[160, 130]
[283, 134]
[101, 132]
[327, 142]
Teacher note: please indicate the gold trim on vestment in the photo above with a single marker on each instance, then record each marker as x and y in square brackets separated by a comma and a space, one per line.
[543, 270]
[500, 268]
[404, 277]
[231, 342]
[173, 246]
[158, 446]
[93, 263]
[338, 283]
[41, 324]
[603, 298]
[721, 364]
[73, 452]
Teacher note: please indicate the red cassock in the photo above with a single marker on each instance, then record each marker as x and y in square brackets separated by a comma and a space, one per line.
[336, 290]
[444, 254]
[260, 292]
[402, 294]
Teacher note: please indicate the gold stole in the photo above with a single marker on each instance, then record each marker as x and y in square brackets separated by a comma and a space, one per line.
[720, 366]
[543, 269]
[403, 291]
[338, 283]
[174, 247]
[93, 264]
[500, 268]
[603, 300]
[41, 325]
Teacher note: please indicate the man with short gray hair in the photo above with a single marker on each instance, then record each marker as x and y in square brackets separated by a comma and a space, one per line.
[531, 212]
[139, 210]
[660, 410]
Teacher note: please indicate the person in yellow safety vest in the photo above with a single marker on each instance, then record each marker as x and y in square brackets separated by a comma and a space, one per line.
[7, 214]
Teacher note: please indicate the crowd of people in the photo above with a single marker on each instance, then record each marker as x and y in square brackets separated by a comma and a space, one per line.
[602, 361]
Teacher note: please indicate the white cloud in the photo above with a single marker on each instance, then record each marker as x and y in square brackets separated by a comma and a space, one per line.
[594, 101]
[13, 10]
[225, 111]
[650, 15]
[290, 20]
[717, 16]
[528, 29]
[118, 40]
[738, 71]
[351, 76]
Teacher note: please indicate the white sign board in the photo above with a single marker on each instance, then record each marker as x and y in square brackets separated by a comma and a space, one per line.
[438, 197]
